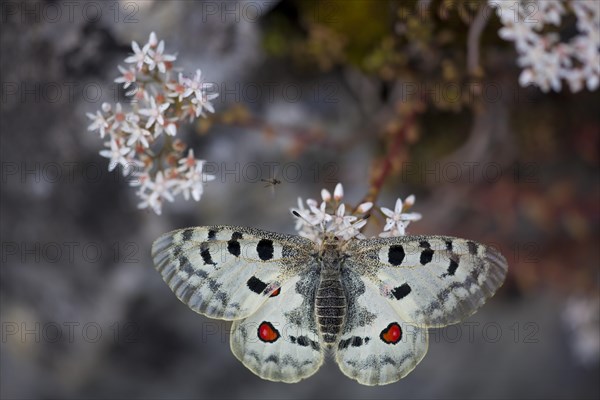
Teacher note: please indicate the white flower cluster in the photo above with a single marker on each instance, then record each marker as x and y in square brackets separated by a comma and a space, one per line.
[141, 140]
[329, 217]
[546, 59]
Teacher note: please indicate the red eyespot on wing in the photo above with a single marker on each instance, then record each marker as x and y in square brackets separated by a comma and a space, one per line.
[392, 334]
[267, 332]
[276, 292]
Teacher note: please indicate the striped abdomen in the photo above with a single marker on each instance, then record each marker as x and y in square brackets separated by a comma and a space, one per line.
[330, 308]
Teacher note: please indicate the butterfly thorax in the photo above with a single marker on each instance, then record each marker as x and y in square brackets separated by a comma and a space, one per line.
[330, 302]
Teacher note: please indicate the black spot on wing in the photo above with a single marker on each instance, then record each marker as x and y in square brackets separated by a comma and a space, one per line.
[449, 245]
[183, 261]
[233, 247]
[236, 236]
[177, 251]
[452, 268]
[264, 248]
[426, 256]
[203, 274]
[401, 291]
[212, 234]
[396, 255]
[354, 341]
[256, 285]
[187, 234]
[303, 341]
[272, 358]
[472, 247]
[425, 244]
[344, 344]
[205, 253]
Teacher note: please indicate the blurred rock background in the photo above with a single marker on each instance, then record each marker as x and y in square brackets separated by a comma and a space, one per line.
[84, 313]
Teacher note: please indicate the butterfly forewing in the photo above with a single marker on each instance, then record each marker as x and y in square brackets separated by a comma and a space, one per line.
[228, 272]
[430, 281]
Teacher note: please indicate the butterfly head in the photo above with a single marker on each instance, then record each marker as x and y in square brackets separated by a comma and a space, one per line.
[330, 251]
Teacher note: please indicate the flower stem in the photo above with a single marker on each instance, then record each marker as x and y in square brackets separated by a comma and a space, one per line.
[386, 168]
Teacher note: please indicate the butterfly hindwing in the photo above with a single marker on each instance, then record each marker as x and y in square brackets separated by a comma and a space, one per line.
[431, 281]
[280, 341]
[376, 346]
[228, 272]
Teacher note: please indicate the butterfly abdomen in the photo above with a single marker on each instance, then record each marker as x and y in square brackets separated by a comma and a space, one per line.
[330, 307]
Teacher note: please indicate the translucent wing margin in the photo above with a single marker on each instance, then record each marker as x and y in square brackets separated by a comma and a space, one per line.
[228, 272]
[431, 281]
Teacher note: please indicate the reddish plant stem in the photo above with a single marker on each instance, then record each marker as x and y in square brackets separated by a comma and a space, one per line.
[386, 168]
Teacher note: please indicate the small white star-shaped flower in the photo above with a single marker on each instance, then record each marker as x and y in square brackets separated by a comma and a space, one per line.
[118, 119]
[139, 55]
[178, 88]
[154, 113]
[155, 192]
[340, 220]
[116, 154]
[202, 99]
[352, 231]
[137, 134]
[156, 59]
[195, 180]
[397, 221]
[197, 84]
[319, 215]
[128, 76]
[99, 123]
[205, 104]
[188, 162]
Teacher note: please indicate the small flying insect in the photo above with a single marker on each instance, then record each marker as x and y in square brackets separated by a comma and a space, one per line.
[272, 182]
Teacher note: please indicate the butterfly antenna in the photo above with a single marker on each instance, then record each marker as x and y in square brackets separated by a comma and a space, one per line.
[298, 215]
